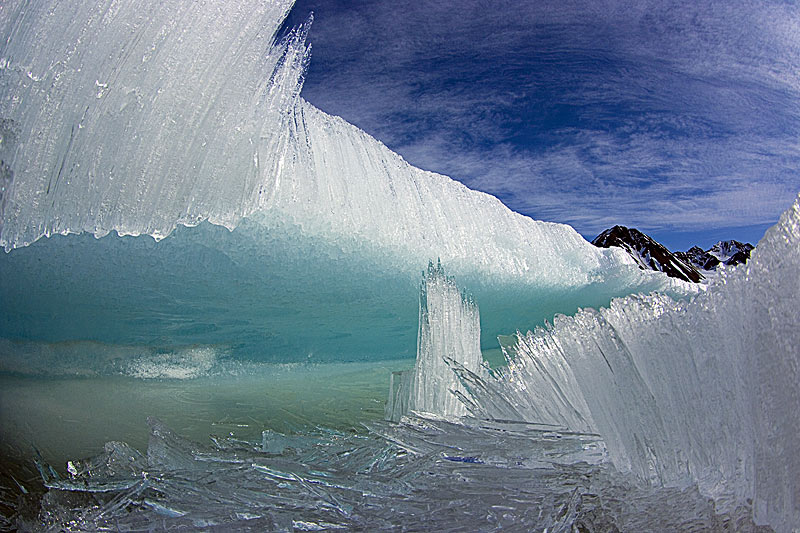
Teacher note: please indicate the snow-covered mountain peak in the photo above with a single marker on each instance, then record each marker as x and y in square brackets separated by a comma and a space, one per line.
[688, 265]
[648, 254]
[731, 252]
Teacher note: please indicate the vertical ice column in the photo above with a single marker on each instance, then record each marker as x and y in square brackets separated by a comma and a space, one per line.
[449, 331]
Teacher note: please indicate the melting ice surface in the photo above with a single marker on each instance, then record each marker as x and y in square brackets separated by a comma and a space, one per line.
[137, 120]
[287, 236]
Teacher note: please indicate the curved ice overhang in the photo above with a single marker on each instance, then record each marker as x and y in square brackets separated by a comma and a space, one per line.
[140, 120]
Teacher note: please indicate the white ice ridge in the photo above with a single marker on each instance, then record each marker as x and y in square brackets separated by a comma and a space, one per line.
[449, 331]
[137, 118]
[704, 391]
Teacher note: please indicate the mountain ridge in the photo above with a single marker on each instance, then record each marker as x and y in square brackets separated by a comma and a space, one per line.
[649, 254]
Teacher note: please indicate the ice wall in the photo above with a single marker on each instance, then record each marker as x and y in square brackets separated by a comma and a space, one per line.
[342, 183]
[449, 332]
[704, 391]
[141, 119]
[136, 119]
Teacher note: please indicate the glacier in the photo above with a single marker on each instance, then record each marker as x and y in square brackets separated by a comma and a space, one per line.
[187, 237]
[125, 123]
[596, 423]
[101, 144]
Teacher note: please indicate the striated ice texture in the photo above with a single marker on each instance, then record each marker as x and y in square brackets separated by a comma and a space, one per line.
[142, 119]
[341, 183]
[449, 331]
[139, 117]
[136, 119]
[701, 392]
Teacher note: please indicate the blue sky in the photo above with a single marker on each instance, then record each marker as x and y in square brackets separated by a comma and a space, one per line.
[679, 118]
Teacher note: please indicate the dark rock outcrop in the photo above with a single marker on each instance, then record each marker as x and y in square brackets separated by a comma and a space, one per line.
[648, 253]
[699, 258]
[731, 252]
[688, 265]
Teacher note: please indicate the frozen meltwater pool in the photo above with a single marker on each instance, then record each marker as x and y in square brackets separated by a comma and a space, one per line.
[71, 417]
[306, 449]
